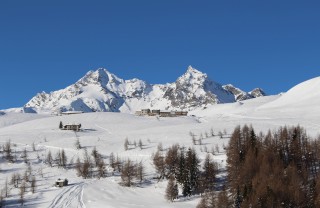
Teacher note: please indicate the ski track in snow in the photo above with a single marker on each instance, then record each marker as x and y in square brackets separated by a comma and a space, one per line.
[72, 195]
[107, 130]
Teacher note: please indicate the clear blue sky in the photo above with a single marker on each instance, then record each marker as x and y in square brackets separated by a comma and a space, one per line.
[48, 45]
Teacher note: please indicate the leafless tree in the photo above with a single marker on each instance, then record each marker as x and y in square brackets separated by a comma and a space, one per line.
[212, 132]
[8, 151]
[87, 168]
[63, 159]
[33, 184]
[208, 200]
[118, 163]
[78, 167]
[77, 144]
[6, 189]
[1, 198]
[160, 147]
[26, 176]
[101, 169]
[25, 155]
[112, 160]
[217, 148]
[15, 180]
[140, 171]
[159, 163]
[49, 159]
[140, 144]
[172, 190]
[96, 156]
[22, 192]
[128, 172]
[201, 137]
[126, 144]
[205, 149]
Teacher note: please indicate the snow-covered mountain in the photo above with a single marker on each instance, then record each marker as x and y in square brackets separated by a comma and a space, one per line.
[240, 95]
[102, 91]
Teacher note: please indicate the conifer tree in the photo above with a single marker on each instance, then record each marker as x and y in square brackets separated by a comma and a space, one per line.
[208, 175]
[171, 190]
[192, 164]
[60, 125]
[181, 172]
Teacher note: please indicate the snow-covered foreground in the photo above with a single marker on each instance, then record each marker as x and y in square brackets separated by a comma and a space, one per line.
[107, 132]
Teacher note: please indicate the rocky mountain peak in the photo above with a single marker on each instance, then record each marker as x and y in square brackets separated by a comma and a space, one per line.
[101, 90]
[257, 92]
[100, 76]
[192, 75]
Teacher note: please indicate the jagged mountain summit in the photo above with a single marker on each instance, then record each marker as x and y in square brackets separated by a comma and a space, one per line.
[101, 90]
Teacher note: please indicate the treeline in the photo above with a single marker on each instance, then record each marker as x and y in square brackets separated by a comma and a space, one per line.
[93, 166]
[183, 168]
[279, 169]
[22, 182]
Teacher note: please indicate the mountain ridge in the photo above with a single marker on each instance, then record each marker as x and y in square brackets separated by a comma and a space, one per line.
[101, 91]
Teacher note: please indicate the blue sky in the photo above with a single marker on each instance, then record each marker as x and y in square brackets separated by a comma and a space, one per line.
[48, 45]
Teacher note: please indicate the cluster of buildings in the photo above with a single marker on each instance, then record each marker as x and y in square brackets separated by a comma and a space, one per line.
[148, 112]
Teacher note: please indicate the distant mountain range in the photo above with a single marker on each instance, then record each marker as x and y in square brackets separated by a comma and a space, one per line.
[101, 90]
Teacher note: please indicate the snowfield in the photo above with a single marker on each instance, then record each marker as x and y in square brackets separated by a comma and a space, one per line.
[108, 131]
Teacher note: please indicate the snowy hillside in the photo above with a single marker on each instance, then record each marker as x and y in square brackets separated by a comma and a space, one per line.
[102, 91]
[107, 132]
[305, 93]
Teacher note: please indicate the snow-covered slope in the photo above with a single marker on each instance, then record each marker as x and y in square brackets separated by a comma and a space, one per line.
[304, 95]
[101, 91]
[107, 132]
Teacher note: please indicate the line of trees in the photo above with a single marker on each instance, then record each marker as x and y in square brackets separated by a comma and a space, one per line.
[129, 145]
[131, 170]
[279, 169]
[182, 167]
[92, 165]
[20, 182]
[61, 159]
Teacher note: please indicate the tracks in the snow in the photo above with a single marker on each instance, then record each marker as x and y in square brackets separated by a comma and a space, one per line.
[70, 196]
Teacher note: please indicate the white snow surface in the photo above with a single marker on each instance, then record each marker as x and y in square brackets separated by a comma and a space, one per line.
[299, 95]
[107, 132]
[102, 91]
